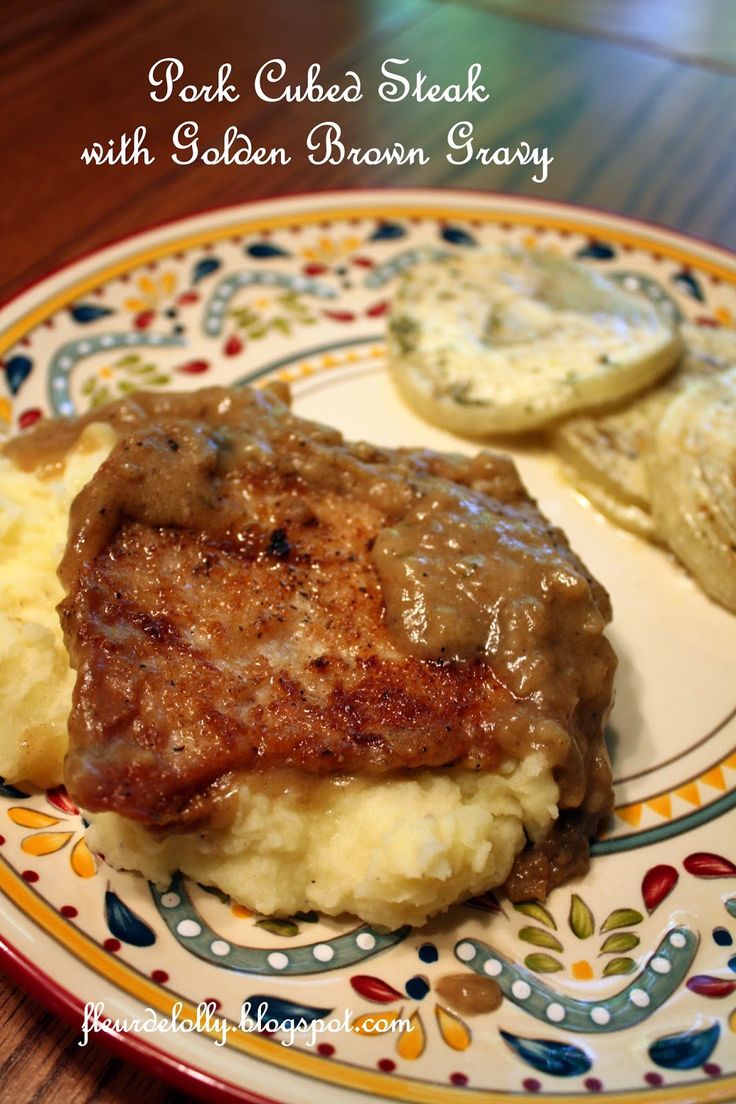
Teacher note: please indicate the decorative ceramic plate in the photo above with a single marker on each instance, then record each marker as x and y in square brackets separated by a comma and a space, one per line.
[624, 983]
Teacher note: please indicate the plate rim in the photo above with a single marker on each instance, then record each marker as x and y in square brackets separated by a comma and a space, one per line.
[365, 195]
[217, 1090]
[30, 976]
[123, 1045]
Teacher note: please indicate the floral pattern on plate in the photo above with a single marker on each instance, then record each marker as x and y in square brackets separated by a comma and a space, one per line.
[638, 958]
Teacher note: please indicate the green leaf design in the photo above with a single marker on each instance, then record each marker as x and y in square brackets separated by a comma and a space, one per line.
[542, 963]
[620, 942]
[619, 966]
[257, 325]
[100, 397]
[244, 316]
[285, 928]
[127, 360]
[580, 919]
[540, 938]
[536, 912]
[621, 918]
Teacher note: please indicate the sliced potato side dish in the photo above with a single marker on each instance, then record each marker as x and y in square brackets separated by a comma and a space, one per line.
[714, 344]
[627, 514]
[604, 454]
[692, 470]
[606, 451]
[510, 340]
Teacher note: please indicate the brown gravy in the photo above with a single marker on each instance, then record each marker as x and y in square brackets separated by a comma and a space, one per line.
[469, 571]
[469, 994]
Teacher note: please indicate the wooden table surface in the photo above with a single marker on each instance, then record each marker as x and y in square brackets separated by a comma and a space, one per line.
[636, 101]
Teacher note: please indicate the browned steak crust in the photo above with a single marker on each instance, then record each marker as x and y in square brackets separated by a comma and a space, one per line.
[226, 612]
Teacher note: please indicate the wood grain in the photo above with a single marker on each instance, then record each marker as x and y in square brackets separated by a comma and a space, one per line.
[41, 1062]
[631, 127]
[631, 132]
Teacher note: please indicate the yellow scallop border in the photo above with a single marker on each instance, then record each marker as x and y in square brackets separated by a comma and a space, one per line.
[81, 946]
[153, 996]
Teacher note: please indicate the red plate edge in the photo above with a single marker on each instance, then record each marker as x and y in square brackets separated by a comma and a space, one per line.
[47, 992]
[122, 1044]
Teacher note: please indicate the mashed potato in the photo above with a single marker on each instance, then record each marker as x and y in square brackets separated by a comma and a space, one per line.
[391, 850]
[35, 679]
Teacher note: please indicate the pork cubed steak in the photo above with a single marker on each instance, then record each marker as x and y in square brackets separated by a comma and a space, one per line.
[247, 591]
